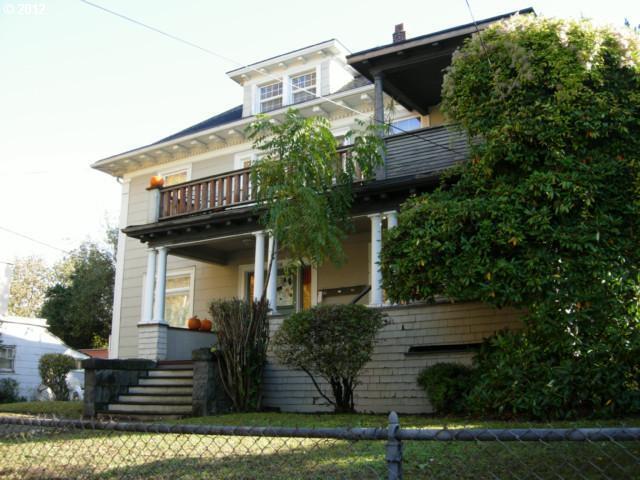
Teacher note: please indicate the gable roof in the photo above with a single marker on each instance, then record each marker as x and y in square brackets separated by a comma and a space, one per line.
[228, 116]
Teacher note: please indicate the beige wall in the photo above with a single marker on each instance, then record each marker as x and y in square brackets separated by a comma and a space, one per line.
[354, 272]
[211, 281]
[388, 381]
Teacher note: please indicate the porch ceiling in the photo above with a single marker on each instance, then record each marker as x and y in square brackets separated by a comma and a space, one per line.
[216, 251]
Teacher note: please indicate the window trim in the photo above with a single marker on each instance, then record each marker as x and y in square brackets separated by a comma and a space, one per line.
[403, 119]
[12, 349]
[191, 271]
[174, 170]
[292, 91]
[282, 96]
[287, 90]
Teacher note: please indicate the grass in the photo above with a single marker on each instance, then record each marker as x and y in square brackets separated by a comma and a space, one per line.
[58, 409]
[42, 453]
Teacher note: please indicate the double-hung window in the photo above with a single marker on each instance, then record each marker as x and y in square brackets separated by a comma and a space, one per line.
[270, 97]
[303, 87]
[7, 358]
[178, 298]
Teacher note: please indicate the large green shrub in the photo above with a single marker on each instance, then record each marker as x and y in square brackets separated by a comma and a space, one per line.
[53, 369]
[447, 385]
[545, 216]
[333, 342]
[9, 391]
[242, 330]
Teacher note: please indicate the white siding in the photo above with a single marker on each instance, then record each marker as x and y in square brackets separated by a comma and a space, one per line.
[32, 340]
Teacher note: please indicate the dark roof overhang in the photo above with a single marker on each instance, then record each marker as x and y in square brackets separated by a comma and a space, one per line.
[413, 69]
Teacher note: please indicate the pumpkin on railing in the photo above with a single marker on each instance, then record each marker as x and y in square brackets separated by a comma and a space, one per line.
[194, 323]
[157, 181]
[205, 325]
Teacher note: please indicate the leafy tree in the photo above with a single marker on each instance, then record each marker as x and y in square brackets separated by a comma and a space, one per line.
[305, 186]
[79, 311]
[31, 279]
[544, 217]
[333, 342]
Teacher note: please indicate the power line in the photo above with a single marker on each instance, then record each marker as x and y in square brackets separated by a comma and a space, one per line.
[473, 19]
[33, 239]
[268, 75]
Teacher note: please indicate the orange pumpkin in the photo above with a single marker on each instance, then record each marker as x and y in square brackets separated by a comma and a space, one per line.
[193, 323]
[157, 181]
[205, 325]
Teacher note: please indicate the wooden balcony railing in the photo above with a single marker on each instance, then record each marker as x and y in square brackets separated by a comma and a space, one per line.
[416, 153]
[211, 193]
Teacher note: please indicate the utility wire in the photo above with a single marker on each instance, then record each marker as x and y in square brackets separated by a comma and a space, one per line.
[33, 239]
[484, 48]
[268, 75]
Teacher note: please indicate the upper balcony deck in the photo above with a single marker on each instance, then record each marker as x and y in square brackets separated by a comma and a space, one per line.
[412, 154]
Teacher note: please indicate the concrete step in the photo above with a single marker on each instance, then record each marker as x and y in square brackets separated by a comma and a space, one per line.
[149, 408]
[165, 372]
[164, 398]
[166, 381]
[164, 389]
[175, 366]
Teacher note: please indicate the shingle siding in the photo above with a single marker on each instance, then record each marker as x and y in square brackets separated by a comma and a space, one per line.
[388, 381]
[425, 151]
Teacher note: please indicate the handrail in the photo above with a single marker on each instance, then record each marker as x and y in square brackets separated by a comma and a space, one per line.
[210, 193]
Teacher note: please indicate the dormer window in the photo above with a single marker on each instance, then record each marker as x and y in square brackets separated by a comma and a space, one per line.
[306, 81]
[270, 97]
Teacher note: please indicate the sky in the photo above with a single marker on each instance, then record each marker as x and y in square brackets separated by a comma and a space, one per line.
[78, 85]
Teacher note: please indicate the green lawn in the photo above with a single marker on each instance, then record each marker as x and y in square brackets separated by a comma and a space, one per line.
[41, 453]
[59, 409]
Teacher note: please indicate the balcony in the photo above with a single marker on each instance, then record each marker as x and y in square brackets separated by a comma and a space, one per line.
[409, 155]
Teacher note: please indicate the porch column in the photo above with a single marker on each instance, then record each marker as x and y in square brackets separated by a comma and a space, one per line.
[258, 267]
[392, 219]
[272, 268]
[161, 281]
[378, 103]
[149, 284]
[376, 245]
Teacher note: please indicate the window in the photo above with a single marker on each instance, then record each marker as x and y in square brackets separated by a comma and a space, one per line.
[178, 305]
[306, 81]
[405, 125]
[293, 289]
[270, 97]
[175, 177]
[7, 358]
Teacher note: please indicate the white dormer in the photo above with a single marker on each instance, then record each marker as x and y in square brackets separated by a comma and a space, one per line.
[293, 77]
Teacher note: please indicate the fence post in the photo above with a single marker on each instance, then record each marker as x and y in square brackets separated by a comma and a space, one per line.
[394, 448]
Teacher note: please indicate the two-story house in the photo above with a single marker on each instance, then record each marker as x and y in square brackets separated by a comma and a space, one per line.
[198, 238]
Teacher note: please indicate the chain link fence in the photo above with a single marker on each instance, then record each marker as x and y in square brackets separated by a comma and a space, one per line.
[36, 448]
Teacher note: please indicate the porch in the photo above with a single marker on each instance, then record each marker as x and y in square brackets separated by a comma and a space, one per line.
[244, 265]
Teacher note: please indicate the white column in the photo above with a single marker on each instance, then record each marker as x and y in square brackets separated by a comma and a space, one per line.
[161, 282]
[272, 267]
[392, 219]
[258, 267]
[376, 245]
[149, 285]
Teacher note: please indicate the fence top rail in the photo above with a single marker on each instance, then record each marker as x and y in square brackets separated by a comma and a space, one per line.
[245, 431]
[424, 434]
